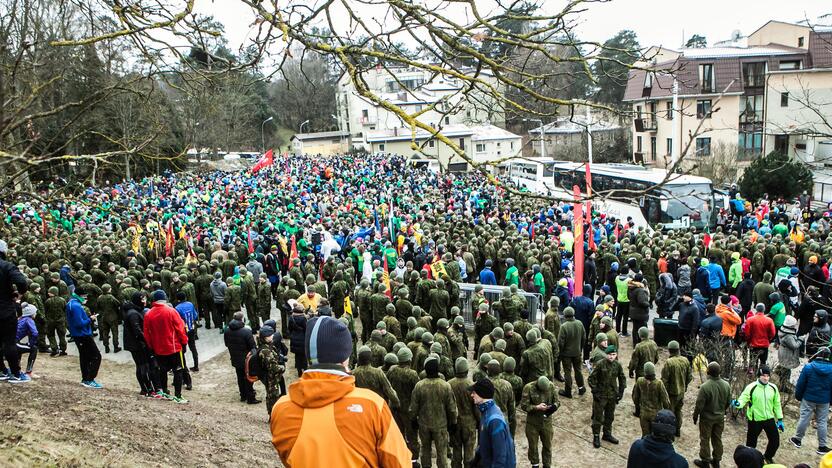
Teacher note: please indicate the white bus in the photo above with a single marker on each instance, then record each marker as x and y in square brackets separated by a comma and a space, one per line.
[681, 201]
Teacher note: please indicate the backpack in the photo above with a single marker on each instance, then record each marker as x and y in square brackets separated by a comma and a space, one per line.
[253, 365]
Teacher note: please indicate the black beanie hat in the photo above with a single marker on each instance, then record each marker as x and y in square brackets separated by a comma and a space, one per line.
[483, 387]
[158, 295]
[327, 341]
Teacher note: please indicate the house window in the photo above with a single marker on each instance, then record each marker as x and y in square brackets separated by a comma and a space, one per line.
[706, 77]
[790, 65]
[751, 142]
[447, 120]
[418, 108]
[381, 147]
[648, 80]
[669, 110]
[752, 109]
[753, 74]
[800, 41]
[512, 145]
[669, 146]
[653, 148]
[784, 99]
[703, 109]
[365, 113]
[638, 144]
[498, 144]
[703, 146]
[431, 143]
[480, 147]
[461, 143]
[638, 112]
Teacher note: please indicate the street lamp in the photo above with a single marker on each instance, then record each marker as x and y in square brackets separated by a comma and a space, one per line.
[262, 137]
[300, 128]
[542, 142]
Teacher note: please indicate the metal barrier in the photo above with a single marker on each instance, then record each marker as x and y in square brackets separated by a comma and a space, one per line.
[534, 301]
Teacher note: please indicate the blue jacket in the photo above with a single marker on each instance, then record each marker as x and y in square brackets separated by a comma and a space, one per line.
[815, 382]
[188, 313]
[77, 320]
[487, 277]
[26, 327]
[717, 275]
[702, 281]
[496, 447]
[584, 307]
[711, 327]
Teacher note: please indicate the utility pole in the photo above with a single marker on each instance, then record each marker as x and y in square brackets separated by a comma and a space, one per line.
[674, 135]
[589, 135]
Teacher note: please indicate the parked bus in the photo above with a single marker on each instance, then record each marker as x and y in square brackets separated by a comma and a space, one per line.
[680, 201]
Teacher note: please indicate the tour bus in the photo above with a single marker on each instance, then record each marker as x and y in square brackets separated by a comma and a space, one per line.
[676, 201]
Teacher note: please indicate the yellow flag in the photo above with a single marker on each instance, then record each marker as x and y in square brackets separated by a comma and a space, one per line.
[347, 306]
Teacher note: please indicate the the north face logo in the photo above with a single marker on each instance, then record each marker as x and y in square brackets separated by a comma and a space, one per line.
[356, 408]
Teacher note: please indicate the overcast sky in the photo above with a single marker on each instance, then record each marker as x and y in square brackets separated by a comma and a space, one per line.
[656, 22]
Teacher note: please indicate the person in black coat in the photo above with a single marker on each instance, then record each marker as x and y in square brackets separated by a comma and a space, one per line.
[133, 340]
[10, 277]
[240, 341]
[297, 335]
[590, 273]
[688, 320]
[745, 293]
[656, 449]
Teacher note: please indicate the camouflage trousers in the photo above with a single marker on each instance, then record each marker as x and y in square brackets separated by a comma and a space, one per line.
[462, 444]
[710, 434]
[437, 438]
[107, 327]
[603, 414]
[411, 436]
[676, 404]
[540, 432]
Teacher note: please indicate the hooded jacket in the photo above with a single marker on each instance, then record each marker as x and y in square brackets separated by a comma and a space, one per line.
[730, 320]
[716, 275]
[651, 451]
[133, 316]
[77, 320]
[26, 329]
[495, 446]
[667, 295]
[639, 301]
[584, 307]
[10, 275]
[326, 421]
[815, 382]
[684, 284]
[239, 340]
[788, 354]
[688, 317]
[164, 330]
[759, 331]
[702, 280]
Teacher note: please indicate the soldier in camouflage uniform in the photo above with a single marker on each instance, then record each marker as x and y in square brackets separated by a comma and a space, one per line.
[390, 360]
[233, 300]
[458, 339]
[599, 351]
[376, 348]
[271, 363]
[109, 317]
[499, 351]
[465, 436]
[248, 288]
[514, 342]
[503, 394]
[712, 402]
[368, 376]
[439, 300]
[513, 379]
[264, 297]
[404, 308]
[441, 335]
[676, 376]
[387, 339]
[607, 382]
[646, 351]
[571, 343]
[435, 411]
[392, 324]
[539, 400]
[55, 308]
[481, 371]
[536, 360]
[484, 323]
[403, 379]
[34, 297]
[649, 397]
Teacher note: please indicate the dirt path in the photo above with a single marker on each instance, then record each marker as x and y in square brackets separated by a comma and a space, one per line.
[55, 421]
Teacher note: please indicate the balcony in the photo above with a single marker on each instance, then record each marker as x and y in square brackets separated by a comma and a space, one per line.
[646, 125]
[366, 120]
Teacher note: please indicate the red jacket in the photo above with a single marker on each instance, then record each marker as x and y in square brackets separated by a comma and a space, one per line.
[759, 331]
[164, 330]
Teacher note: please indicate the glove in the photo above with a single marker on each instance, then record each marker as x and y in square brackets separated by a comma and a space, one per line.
[780, 425]
[632, 374]
[735, 403]
[695, 419]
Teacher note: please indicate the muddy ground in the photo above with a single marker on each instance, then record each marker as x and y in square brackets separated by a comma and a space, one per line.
[55, 421]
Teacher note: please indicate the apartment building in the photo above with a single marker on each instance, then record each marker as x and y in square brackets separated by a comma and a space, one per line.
[565, 137]
[439, 97]
[725, 95]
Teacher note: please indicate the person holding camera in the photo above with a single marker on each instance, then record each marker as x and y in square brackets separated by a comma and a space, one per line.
[539, 401]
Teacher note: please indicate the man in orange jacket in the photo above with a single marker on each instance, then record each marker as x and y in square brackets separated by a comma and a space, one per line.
[325, 420]
[164, 332]
[730, 319]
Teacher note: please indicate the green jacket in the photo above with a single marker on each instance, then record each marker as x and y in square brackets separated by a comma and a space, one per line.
[533, 396]
[713, 400]
[571, 338]
[402, 378]
[374, 379]
[650, 396]
[432, 402]
[607, 380]
[512, 276]
[621, 288]
[646, 351]
[676, 375]
[763, 401]
[735, 273]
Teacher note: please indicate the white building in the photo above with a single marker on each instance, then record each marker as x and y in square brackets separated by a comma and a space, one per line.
[565, 137]
[413, 90]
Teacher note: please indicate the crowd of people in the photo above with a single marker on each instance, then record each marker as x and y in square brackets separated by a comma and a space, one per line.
[357, 266]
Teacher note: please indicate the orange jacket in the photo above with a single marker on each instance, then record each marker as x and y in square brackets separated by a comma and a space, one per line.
[326, 421]
[730, 320]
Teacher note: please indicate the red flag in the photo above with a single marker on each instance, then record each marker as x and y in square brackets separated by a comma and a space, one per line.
[265, 161]
[578, 246]
[531, 230]
[250, 242]
[169, 239]
[293, 252]
[386, 279]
